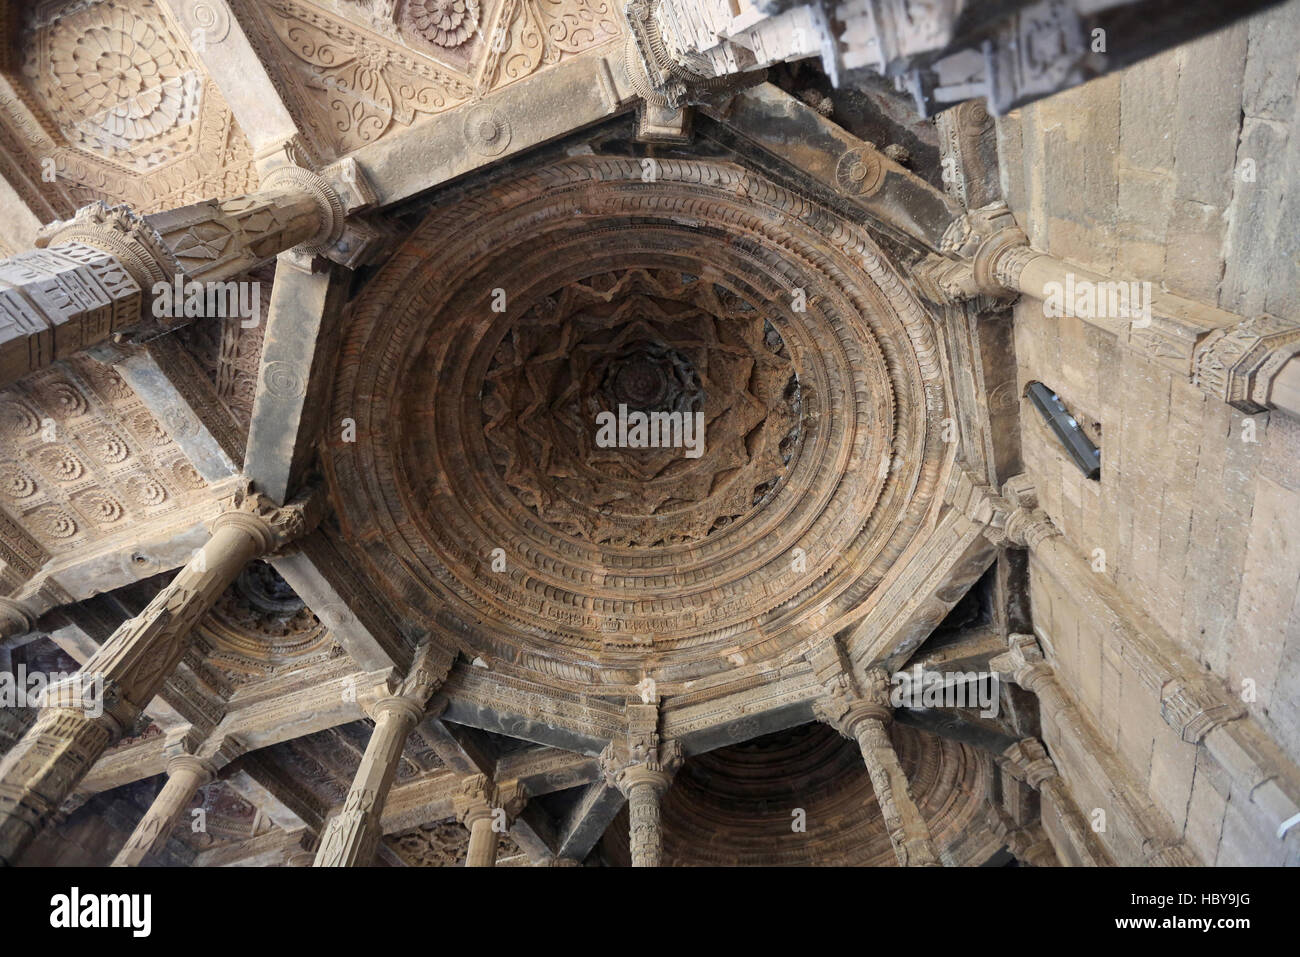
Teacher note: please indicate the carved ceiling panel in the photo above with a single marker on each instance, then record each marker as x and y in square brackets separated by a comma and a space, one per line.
[442, 844]
[82, 458]
[230, 353]
[354, 70]
[112, 104]
[480, 489]
[258, 629]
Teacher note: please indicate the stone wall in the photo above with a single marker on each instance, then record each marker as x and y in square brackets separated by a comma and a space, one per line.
[1182, 170]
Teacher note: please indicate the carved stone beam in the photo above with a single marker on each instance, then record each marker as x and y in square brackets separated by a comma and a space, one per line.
[173, 387]
[573, 94]
[588, 820]
[94, 708]
[218, 39]
[458, 753]
[944, 725]
[266, 799]
[1251, 363]
[352, 835]
[852, 169]
[916, 597]
[641, 766]
[334, 587]
[860, 711]
[297, 364]
[263, 781]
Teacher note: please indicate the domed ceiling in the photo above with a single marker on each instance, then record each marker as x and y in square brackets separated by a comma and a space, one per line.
[479, 361]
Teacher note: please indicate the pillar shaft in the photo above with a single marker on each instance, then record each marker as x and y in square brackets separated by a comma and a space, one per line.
[352, 836]
[1248, 362]
[99, 273]
[185, 775]
[70, 735]
[483, 841]
[645, 836]
[908, 832]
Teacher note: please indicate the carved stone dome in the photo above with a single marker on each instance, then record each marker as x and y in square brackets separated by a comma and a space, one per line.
[478, 360]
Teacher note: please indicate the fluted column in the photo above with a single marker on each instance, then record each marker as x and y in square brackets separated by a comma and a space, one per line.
[185, 775]
[108, 270]
[352, 836]
[864, 716]
[74, 729]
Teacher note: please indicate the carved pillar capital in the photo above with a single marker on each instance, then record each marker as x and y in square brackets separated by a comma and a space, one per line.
[475, 799]
[982, 253]
[329, 206]
[429, 669]
[1029, 528]
[654, 766]
[1238, 364]
[513, 798]
[15, 618]
[1195, 705]
[1023, 663]
[271, 526]
[1027, 760]
[192, 765]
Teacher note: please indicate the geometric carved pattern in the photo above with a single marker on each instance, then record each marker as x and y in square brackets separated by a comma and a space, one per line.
[114, 98]
[441, 844]
[586, 592]
[81, 457]
[665, 342]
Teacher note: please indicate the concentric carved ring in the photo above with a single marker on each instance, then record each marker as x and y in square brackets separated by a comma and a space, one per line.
[860, 172]
[477, 362]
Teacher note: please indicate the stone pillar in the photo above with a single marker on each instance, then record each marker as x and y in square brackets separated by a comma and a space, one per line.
[865, 718]
[102, 273]
[1027, 762]
[642, 768]
[352, 836]
[1252, 363]
[644, 788]
[488, 811]
[474, 807]
[1149, 836]
[74, 729]
[185, 775]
